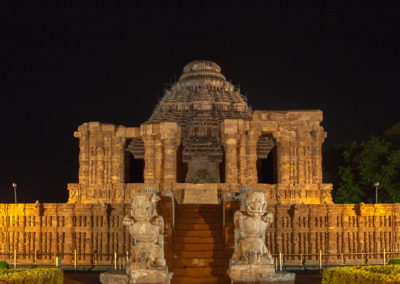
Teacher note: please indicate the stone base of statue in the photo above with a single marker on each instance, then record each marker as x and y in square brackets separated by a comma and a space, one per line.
[259, 273]
[153, 275]
[158, 275]
[114, 277]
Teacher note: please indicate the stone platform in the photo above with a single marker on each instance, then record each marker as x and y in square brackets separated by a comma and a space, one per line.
[256, 273]
[154, 276]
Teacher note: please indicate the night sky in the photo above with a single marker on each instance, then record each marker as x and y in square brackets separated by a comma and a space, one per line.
[68, 62]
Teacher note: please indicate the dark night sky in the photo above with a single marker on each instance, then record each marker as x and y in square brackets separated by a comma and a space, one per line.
[69, 62]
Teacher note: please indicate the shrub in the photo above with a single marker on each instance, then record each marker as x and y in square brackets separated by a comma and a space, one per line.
[394, 261]
[362, 274]
[31, 276]
[3, 264]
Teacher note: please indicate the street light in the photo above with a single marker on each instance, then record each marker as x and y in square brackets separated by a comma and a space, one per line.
[376, 191]
[14, 185]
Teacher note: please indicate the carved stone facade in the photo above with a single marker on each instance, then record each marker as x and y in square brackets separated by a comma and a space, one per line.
[203, 132]
[201, 145]
[96, 232]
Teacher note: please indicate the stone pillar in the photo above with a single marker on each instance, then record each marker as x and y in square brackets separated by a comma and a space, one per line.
[83, 156]
[99, 165]
[242, 160]
[69, 245]
[279, 213]
[283, 157]
[36, 215]
[149, 177]
[231, 170]
[252, 139]
[88, 214]
[332, 230]
[148, 133]
[317, 164]
[54, 233]
[301, 161]
[170, 148]
[105, 230]
[158, 159]
[117, 160]
[170, 137]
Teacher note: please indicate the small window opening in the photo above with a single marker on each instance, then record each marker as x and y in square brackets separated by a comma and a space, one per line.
[266, 160]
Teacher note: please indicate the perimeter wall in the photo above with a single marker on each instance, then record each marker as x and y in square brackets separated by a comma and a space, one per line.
[343, 234]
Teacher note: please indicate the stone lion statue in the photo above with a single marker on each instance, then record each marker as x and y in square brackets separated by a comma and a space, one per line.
[250, 228]
[147, 229]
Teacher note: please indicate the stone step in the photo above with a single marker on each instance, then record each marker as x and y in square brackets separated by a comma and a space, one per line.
[205, 214]
[200, 271]
[198, 240]
[198, 233]
[200, 280]
[191, 227]
[198, 220]
[198, 208]
[205, 247]
[192, 254]
[200, 262]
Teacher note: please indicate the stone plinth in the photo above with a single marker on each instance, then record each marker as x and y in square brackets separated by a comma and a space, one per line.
[156, 276]
[114, 277]
[259, 273]
[160, 275]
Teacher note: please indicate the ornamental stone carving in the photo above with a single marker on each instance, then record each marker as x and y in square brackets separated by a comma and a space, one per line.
[250, 228]
[147, 230]
[251, 260]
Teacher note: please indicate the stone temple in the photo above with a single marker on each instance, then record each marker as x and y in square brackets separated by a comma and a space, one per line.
[202, 141]
[201, 148]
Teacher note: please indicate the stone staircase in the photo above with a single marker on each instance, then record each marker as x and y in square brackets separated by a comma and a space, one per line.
[199, 251]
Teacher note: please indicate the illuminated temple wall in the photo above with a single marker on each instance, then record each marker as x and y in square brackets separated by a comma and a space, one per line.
[300, 232]
[298, 166]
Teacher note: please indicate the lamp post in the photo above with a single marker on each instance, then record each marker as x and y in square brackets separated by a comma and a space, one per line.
[14, 185]
[376, 192]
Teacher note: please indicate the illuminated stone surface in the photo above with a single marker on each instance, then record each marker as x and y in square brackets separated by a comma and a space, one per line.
[251, 260]
[201, 136]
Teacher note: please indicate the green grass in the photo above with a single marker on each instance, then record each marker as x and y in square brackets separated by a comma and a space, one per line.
[31, 276]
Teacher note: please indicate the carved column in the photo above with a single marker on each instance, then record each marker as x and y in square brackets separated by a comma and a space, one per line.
[148, 174]
[252, 139]
[170, 148]
[170, 137]
[301, 162]
[83, 156]
[231, 170]
[69, 246]
[54, 233]
[283, 157]
[99, 165]
[108, 158]
[242, 160]
[88, 240]
[158, 158]
[332, 231]
[117, 159]
[317, 158]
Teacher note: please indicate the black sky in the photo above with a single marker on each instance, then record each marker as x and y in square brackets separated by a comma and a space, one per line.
[68, 62]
